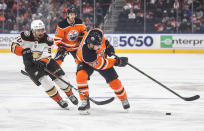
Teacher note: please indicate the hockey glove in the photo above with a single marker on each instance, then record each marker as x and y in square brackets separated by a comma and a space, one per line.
[40, 65]
[27, 53]
[61, 53]
[27, 57]
[109, 49]
[121, 61]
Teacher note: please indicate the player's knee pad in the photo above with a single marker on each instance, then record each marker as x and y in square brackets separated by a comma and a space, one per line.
[82, 76]
[46, 82]
[60, 83]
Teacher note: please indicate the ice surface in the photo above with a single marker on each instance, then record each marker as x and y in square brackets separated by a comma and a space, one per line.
[26, 107]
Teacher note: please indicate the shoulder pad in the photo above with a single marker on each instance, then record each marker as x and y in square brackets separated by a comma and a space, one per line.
[63, 23]
[27, 35]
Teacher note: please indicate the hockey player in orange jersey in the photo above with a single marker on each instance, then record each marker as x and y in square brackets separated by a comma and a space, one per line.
[68, 35]
[35, 48]
[92, 55]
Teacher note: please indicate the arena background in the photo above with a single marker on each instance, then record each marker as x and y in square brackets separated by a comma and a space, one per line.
[132, 26]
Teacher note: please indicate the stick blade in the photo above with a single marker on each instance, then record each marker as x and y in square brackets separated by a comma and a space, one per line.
[102, 102]
[192, 98]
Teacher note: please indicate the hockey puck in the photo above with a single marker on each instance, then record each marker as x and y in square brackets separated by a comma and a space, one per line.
[168, 113]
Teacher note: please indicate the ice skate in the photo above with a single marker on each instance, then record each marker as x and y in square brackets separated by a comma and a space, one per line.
[73, 99]
[126, 105]
[63, 104]
[84, 107]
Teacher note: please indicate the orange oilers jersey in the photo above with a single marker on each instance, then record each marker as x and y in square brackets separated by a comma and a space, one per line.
[68, 35]
[96, 59]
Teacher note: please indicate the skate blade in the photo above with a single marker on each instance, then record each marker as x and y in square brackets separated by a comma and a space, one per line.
[67, 108]
[86, 112]
[127, 110]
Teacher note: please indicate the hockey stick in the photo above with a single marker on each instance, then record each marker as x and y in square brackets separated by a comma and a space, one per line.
[24, 73]
[96, 102]
[184, 98]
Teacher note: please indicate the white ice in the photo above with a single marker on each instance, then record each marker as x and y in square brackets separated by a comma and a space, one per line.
[26, 107]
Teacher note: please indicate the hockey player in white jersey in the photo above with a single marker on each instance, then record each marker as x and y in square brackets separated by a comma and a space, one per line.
[35, 47]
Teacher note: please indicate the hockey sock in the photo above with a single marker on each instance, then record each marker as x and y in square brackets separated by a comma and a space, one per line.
[50, 89]
[68, 91]
[82, 78]
[63, 86]
[118, 89]
[53, 93]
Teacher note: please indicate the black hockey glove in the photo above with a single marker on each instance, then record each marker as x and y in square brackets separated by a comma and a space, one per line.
[40, 65]
[121, 61]
[27, 53]
[109, 49]
[27, 57]
[61, 53]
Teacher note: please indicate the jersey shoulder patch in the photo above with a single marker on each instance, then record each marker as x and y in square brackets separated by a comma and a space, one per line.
[27, 35]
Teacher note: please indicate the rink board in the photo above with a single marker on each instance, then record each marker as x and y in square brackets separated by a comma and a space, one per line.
[196, 51]
[138, 43]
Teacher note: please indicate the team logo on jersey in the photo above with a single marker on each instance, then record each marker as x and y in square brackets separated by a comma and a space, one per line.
[72, 35]
[37, 54]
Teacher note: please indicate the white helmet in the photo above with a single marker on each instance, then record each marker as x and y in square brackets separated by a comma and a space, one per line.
[37, 24]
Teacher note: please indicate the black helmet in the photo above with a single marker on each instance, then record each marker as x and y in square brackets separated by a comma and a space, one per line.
[95, 37]
[71, 10]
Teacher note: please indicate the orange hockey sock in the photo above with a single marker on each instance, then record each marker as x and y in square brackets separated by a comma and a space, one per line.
[68, 90]
[82, 78]
[118, 89]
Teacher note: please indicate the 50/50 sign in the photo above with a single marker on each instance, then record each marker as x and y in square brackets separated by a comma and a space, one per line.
[130, 41]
